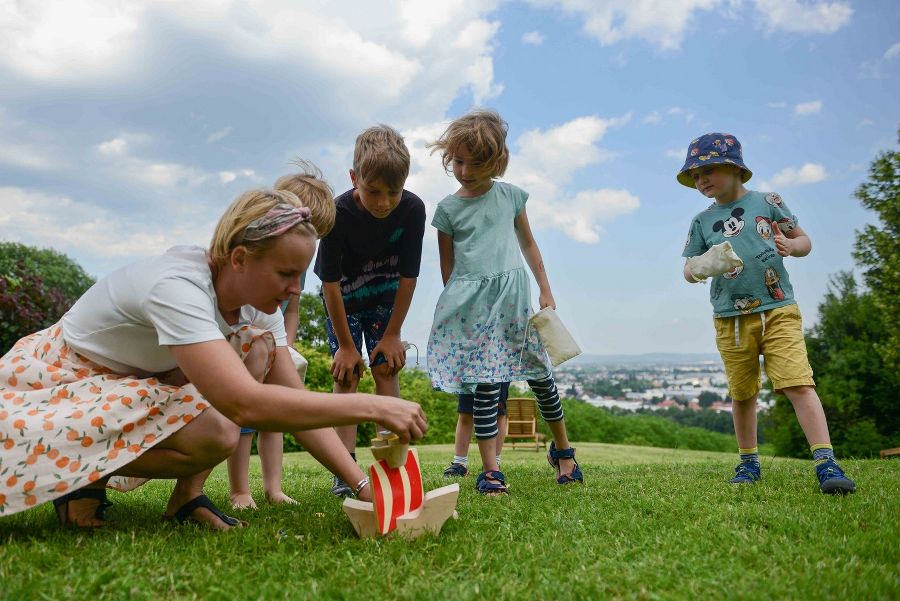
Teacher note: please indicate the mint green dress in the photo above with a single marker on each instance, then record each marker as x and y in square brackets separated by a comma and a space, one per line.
[480, 332]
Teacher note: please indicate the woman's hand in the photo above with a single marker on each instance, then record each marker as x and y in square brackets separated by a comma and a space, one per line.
[404, 418]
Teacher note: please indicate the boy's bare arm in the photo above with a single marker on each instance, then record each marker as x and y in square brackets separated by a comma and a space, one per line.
[448, 259]
[346, 359]
[390, 345]
[795, 243]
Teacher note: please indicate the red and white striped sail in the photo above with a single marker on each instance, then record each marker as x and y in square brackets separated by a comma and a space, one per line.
[396, 491]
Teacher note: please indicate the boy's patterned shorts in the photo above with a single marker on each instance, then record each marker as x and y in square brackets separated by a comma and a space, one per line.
[777, 335]
[369, 324]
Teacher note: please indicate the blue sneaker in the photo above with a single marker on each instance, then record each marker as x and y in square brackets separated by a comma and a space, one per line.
[746, 472]
[456, 470]
[832, 480]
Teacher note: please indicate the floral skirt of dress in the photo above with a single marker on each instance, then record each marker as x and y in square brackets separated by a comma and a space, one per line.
[481, 334]
[66, 421]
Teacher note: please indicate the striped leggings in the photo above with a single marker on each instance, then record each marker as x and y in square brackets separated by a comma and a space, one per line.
[487, 397]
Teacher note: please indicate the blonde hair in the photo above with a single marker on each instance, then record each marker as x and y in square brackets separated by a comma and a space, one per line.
[310, 187]
[381, 154]
[483, 133]
[251, 205]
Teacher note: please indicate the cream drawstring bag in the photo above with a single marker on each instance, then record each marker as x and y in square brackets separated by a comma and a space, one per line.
[557, 340]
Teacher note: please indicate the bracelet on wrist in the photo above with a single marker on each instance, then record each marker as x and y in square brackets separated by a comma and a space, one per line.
[360, 485]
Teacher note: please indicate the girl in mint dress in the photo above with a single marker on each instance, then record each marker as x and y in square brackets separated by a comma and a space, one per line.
[480, 336]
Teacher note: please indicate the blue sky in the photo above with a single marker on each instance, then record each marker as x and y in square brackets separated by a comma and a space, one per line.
[126, 127]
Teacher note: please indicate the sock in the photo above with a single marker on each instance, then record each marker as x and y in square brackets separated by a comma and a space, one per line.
[749, 455]
[498, 460]
[822, 453]
[461, 459]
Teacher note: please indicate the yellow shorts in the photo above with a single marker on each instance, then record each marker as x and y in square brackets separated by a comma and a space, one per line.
[777, 335]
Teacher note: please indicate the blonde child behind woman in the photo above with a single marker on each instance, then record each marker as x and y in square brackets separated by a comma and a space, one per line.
[314, 193]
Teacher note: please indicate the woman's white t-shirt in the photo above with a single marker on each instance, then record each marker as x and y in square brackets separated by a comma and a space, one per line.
[127, 320]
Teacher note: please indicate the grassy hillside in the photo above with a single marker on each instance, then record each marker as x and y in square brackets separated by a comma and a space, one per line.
[649, 524]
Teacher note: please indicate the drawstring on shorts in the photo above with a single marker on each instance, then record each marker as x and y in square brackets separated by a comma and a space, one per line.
[737, 330]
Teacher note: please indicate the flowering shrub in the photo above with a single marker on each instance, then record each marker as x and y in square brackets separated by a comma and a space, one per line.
[37, 286]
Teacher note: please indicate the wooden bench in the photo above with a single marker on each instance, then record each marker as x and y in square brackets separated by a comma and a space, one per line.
[885, 453]
[522, 423]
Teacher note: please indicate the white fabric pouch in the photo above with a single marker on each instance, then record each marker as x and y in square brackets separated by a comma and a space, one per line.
[719, 259]
[557, 340]
[300, 362]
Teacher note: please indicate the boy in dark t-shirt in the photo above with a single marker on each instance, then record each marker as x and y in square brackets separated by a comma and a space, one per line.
[368, 265]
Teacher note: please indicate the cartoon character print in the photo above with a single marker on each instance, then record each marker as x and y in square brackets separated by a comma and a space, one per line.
[734, 273]
[764, 228]
[772, 281]
[732, 226]
[745, 304]
[786, 224]
[774, 199]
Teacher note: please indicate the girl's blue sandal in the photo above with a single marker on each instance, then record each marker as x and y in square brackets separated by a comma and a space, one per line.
[554, 455]
[62, 503]
[484, 486]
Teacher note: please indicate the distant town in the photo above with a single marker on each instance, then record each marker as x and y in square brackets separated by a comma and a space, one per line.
[650, 382]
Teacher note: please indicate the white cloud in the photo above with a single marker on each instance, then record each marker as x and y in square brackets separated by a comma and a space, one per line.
[795, 16]
[116, 146]
[808, 108]
[16, 154]
[83, 228]
[652, 118]
[892, 52]
[219, 134]
[662, 23]
[384, 53]
[809, 173]
[535, 38]
[544, 165]
[53, 39]
[226, 177]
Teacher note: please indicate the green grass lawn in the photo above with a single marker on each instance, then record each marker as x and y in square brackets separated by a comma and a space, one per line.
[649, 524]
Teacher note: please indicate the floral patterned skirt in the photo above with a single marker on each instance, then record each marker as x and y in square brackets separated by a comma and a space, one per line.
[66, 421]
[481, 334]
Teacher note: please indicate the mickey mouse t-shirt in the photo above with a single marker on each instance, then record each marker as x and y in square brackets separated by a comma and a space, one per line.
[762, 283]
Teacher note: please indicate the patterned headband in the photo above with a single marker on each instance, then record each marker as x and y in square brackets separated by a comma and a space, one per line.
[277, 221]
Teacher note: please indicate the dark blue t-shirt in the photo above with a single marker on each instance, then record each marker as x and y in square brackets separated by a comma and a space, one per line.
[367, 255]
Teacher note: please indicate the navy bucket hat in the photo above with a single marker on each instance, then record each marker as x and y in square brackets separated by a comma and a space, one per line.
[713, 149]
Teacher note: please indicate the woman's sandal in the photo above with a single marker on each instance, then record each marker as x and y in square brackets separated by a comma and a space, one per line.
[62, 504]
[183, 514]
[484, 485]
[554, 455]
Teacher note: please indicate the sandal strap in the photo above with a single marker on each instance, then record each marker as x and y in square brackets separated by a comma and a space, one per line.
[484, 486]
[562, 453]
[184, 512]
[98, 494]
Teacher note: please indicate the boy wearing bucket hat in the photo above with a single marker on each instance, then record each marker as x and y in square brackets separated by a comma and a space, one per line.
[739, 242]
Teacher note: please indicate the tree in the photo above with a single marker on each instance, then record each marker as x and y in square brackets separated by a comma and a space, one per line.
[707, 398]
[55, 269]
[857, 390]
[37, 286]
[877, 248]
[311, 329]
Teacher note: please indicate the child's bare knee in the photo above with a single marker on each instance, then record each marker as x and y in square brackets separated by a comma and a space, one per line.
[382, 373]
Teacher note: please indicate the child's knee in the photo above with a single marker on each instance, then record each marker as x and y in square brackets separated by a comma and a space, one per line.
[382, 373]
